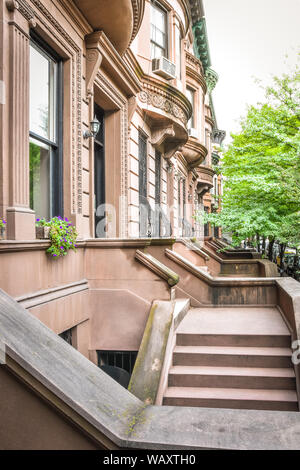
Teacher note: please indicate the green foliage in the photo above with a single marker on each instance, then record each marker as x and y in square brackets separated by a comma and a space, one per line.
[63, 235]
[2, 223]
[262, 169]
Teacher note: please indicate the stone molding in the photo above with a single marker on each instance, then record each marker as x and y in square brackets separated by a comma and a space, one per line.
[194, 152]
[25, 10]
[194, 70]
[166, 101]
[158, 268]
[138, 8]
[93, 60]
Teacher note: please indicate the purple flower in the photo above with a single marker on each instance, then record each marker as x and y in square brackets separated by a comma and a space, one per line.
[67, 220]
[37, 220]
[61, 247]
[54, 254]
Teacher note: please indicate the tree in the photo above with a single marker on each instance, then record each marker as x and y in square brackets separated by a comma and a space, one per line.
[262, 169]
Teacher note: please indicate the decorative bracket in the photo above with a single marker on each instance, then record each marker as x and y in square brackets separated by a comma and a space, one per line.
[93, 60]
[159, 135]
[23, 8]
[132, 105]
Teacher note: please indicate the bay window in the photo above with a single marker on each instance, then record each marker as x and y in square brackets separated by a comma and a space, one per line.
[190, 94]
[178, 51]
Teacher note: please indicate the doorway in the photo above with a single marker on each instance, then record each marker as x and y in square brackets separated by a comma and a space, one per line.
[99, 175]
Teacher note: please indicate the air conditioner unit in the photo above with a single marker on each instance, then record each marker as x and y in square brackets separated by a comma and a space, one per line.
[193, 132]
[164, 67]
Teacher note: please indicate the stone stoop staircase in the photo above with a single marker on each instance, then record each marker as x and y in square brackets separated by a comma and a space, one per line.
[233, 358]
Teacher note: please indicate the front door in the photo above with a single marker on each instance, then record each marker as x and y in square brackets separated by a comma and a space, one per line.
[99, 172]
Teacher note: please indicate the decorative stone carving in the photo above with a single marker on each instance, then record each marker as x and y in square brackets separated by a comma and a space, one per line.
[12, 5]
[93, 60]
[132, 104]
[24, 9]
[218, 136]
[201, 42]
[138, 7]
[159, 135]
[161, 102]
[211, 79]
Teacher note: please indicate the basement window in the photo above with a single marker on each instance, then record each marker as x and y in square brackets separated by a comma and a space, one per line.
[67, 336]
[123, 359]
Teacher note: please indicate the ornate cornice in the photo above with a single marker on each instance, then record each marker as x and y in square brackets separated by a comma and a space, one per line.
[117, 66]
[211, 78]
[138, 8]
[201, 42]
[197, 10]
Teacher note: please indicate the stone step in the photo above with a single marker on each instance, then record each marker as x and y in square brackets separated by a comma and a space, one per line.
[232, 377]
[238, 321]
[251, 399]
[255, 340]
[225, 356]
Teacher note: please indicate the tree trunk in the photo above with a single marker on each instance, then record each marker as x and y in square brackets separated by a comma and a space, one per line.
[264, 245]
[270, 250]
[282, 250]
[258, 242]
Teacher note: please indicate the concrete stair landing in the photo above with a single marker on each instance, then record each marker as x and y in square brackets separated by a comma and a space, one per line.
[233, 358]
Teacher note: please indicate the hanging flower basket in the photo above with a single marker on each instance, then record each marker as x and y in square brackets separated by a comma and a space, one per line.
[61, 233]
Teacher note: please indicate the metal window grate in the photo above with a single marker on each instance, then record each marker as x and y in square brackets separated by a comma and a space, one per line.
[123, 359]
[67, 336]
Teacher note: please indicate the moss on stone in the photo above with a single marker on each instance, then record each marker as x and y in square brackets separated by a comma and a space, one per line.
[147, 370]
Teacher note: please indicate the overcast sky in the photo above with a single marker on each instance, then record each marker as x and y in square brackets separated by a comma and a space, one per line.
[247, 39]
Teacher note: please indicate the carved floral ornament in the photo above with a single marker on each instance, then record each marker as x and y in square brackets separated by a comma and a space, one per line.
[23, 8]
[163, 103]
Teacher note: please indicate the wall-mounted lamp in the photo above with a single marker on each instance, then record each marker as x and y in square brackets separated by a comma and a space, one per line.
[170, 167]
[94, 129]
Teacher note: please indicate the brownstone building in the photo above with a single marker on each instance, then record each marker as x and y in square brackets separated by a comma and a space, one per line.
[106, 119]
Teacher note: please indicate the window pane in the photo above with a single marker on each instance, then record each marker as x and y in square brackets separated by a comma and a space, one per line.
[42, 93]
[178, 51]
[190, 97]
[158, 32]
[39, 158]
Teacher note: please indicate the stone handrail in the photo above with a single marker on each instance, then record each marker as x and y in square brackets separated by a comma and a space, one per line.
[146, 376]
[114, 418]
[157, 267]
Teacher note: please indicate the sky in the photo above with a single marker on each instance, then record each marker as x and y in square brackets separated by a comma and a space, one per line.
[248, 40]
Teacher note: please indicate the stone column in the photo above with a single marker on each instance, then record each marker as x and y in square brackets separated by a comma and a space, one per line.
[20, 218]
